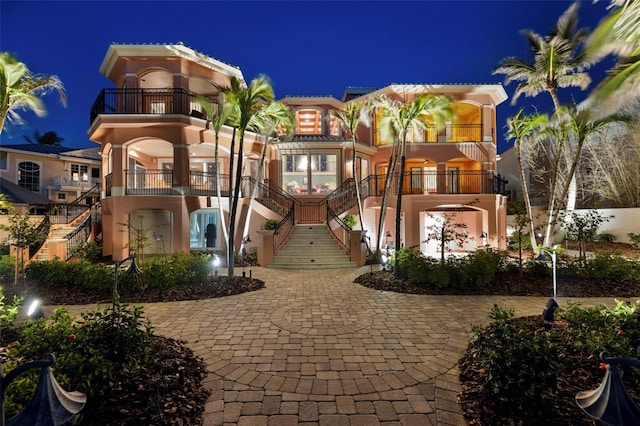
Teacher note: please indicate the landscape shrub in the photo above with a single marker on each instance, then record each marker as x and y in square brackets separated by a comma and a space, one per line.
[93, 356]
[7, 268]
[520, 369]
[8, 313]
[81, 274]
[608, 266]
[605, 237]
[482, 266]
[91, 251]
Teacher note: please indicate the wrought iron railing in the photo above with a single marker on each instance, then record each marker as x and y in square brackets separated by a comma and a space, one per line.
[42, 231]
[269, 195]
[448, 133]
[205, 183]
[78, 236]
[283, 230]
[148, 101]
[340, 231]
[149, 182]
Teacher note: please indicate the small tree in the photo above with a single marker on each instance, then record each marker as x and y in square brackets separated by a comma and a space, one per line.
[522, 222]
[445, 229]
[139, 238]
[22, 233]
[583, 227]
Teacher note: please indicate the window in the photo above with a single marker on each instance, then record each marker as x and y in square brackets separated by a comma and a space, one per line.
[309, 173]
[61, 196]
[3, 160]
[79, 173]
[308, 122]
[29, 175]
[203, 228]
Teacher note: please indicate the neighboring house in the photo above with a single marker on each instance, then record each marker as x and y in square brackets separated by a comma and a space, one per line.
[54, 174]
[158, 158]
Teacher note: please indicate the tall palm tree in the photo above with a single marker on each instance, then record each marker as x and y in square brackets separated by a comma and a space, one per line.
[48, 138]
[350, 117]
[618, 34]
[270, 119]
[558, 61]
[571, 131]
[246, 101]
[399, 118]
[522, 127]
[218, 114]
[20, 89]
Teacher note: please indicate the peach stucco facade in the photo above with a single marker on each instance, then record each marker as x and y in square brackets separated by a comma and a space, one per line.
[158, 161]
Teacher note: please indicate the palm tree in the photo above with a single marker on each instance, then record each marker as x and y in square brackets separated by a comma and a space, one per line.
[558, 61]
[350, 118]
[570, 131]
[218, 114]
[521, 128]
[269, 119]
[20, 89]
[618, 34]
[49, 138]
[246, 102]
[398, 118]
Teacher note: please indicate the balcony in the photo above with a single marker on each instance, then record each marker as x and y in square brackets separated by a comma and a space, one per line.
[160, 182]
[429, 182]
[451, 133]
[148, 101]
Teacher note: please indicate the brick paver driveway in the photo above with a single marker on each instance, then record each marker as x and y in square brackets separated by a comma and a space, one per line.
[314, 348]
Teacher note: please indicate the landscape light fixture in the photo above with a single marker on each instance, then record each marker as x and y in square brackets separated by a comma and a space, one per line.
[610, 403]
[215, 262]
[553, 255]
[132, 270]
[548, 313]
[363, 240]
[49, 405]
[34, 310]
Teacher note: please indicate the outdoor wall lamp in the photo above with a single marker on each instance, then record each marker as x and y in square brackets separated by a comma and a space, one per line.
[553, 256]
[133, 270]
[49, 405]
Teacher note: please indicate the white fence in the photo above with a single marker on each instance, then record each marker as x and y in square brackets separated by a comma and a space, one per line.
[624, 221]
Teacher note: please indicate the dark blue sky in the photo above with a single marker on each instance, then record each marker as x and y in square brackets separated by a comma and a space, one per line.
[305, 47]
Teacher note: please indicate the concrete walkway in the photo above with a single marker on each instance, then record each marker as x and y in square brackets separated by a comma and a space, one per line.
[313, 348]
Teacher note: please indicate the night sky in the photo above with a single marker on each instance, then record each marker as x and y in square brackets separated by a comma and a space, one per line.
[306, 48]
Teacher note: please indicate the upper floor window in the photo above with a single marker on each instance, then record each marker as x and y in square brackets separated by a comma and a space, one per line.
[3, 160]
[308, 122]
[79, 173]
[29, 175]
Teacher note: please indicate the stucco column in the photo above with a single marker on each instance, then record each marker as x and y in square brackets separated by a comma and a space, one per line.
[118, 160]
[265, 247]
[487, 123]
[442, 178]
[358, 247]
[180, 167]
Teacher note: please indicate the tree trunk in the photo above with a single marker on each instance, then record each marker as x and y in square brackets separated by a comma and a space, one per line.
[223, 222]
[230, 245]
[254, 192]
[385, 194]
[396, 269]
[527, 201]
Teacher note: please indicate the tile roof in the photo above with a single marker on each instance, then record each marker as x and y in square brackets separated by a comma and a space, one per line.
[39, 148]
[19, 195]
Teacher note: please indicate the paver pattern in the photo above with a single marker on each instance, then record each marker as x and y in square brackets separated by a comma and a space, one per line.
[314, 348]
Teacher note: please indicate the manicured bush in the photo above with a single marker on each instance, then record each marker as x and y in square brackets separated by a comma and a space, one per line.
[93, 356]
[520, 373]
[7, 268]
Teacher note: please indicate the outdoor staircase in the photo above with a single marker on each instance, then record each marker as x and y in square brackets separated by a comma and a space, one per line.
[311, 247]
[59, 232]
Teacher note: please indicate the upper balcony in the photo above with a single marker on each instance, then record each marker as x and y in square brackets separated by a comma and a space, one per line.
[148, 101]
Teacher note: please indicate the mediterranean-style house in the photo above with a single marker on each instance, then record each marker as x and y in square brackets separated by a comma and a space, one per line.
[157, 163]
[38, 174]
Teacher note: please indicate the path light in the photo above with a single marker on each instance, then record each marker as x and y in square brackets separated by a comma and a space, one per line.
[363, 240]
[215, 262]
[553, 255]
[50, 404]
[133, 270]
[243, 253]
[548, 313]
[610, 402]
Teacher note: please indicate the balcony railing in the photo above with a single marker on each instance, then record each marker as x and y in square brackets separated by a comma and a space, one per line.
[160, 182]
[148, 101]
[449, 133]
[436, 182]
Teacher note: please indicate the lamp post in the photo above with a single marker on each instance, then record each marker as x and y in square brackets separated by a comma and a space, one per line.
[553, 255]
[133, 270]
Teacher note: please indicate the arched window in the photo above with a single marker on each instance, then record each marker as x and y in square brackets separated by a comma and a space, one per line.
[29, 175]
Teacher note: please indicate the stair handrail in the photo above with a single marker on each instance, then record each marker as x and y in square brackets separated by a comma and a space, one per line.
[342, 198]
[283, 229]
[283, 200]
[344, 232]
[78, 236]
[94, 190]
[42, 231]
